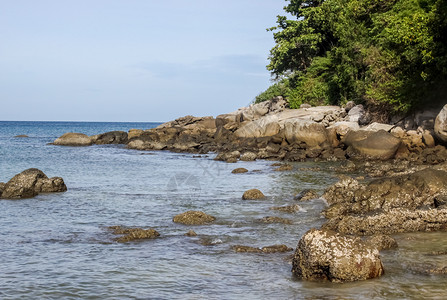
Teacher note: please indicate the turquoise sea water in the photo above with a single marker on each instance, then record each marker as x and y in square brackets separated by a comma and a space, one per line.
[56, 246]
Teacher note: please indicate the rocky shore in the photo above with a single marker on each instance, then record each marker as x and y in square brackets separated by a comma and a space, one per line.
[403, 187]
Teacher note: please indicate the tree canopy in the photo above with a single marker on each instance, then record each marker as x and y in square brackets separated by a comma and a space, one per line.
[387, 53]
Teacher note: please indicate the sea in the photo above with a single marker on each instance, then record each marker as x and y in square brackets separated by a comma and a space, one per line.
[58, 246]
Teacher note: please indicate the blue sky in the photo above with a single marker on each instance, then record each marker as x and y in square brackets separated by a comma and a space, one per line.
[132, 60]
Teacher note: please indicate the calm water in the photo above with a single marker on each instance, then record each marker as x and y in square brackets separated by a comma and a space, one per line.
[56, 246]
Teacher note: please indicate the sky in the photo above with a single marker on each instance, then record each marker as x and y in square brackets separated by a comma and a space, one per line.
[132, 60]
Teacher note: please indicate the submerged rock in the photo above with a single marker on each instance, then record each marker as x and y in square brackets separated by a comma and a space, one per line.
[253, 194]
[327, 255]
[30, 183]
[239, 170]
[271, 220]
[266, 249]
[193, 218]
[284, 167]
[132, 234]
[21, 136]
[287, 209]
[73, 139]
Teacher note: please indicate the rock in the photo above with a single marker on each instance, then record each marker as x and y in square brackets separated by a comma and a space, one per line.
[271, 220]
[134, 133]
[73, 139]
[382, 242]
[239, 170]
[284, 167]
[378, 126]
[112, 137]
[349, 105]
[276, 249]
[440, 127]
[191, 233]
[21, 136]
[356, 113]
[253, 194]
[287, 209]
[30, 183]
[248, 156]
[380, 145]
[224, 156]
[305, 105]
[428, 139]
[132, 234]
[266, 249]
[309, 132]
[306, 195]
[327, 255]
[193, 218]
[266, 126]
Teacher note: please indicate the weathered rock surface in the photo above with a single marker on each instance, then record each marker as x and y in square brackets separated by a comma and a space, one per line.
[305, 195]
[193, 218]
[382, 242]
[273, 219]
[132, 234]
[440, 127]
[308, 132]
[73, 139]
[327, 255]
[253, 194]
[30, 183]
[379, 145]
[287, 209]
[402, 203]
[112, 137]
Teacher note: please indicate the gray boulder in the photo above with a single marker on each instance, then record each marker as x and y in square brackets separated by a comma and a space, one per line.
[327, 255]
[440, 127]
[380, 145]
[30, 183]
[299, 130]
[112, 137]
[73, 139]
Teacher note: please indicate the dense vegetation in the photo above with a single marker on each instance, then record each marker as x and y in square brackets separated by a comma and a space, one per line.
[386, 53]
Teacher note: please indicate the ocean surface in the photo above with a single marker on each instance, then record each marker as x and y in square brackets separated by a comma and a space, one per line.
[57, 246]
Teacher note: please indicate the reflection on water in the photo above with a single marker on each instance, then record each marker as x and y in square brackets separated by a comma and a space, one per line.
[57, 245]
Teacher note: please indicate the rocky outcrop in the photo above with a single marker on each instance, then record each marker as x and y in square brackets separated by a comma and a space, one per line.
[112, 137]
[405, 203]
[30, 183]
[133, 234]
[327, 255]
[440, 126]
[253, 194]
[73, 139]
[193, 218]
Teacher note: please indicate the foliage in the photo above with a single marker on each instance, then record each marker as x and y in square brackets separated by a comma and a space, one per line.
[380, 52]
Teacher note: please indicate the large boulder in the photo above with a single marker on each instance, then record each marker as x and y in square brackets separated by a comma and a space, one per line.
[380, 145]
[441, 125]
[327, 255]
[73, 139]
[253, 194]
[112, 137]
[30, 183]
[306, 131]
[266, 126]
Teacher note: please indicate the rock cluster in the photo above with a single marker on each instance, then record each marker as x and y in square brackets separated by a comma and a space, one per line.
[30, 183]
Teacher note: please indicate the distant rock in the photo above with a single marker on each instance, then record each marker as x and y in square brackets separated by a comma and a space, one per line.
[253, 194]
[239, 170]
[327, 255]
[132, 234]
[284, 167]
[193, 218]
[30, 183]
[287, 209]
[266, 249]
[279, 220]
[21, 136]
[73, 139]
[112, 137]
